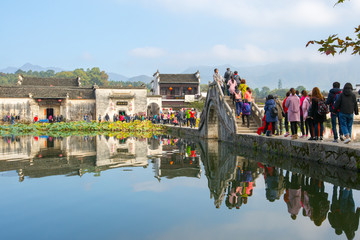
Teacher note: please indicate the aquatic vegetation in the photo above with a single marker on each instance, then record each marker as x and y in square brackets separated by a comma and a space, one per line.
[118, 129]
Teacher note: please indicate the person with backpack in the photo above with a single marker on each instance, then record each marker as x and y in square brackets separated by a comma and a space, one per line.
[228, 74]
[293, 105]
[318, 113]
[231, 85]
[237, 79]
[334, 94]
[246, 112]
[347, 106]
[243, 86]
[271, 114]
[238, 102]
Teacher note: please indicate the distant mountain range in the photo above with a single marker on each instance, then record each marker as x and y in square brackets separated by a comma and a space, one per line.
[28, 66]
[119, 77]
[305, 74]
[292, 74]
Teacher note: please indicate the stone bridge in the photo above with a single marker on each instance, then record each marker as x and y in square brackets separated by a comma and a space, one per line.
[218, 119]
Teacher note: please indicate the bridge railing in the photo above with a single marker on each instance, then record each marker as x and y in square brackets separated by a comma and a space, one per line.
[257, 114]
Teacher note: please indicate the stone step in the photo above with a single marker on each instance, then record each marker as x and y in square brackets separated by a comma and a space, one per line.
[245, 131]
[246, 128]
[245, 125]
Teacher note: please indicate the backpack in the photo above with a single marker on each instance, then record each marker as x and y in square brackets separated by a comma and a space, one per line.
[323, 109]
[332, 108]
[274, 112]
[246, 109]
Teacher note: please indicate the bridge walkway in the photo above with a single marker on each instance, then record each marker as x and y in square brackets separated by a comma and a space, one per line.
[240, 127]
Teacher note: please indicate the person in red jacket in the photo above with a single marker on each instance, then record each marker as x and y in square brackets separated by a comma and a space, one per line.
[36, 118]
[286, 123]
[192, 118]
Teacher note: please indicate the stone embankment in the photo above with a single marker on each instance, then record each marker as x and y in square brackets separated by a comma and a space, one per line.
[334, 154]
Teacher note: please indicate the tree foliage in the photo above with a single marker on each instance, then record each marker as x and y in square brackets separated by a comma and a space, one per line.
[280, 92]
[88, 77]
[334, 44]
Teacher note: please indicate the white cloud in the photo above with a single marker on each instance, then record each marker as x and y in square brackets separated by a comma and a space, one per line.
[147, 52]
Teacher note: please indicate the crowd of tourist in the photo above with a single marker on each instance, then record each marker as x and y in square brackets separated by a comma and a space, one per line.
[308, 112]
[236, 88]
[10, 118]
[182, 117]
[304, 111]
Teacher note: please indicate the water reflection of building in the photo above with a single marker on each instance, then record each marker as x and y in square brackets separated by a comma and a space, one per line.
[181, 160]
[47, 156]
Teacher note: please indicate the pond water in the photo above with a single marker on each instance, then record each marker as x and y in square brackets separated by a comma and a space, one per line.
[168, 188]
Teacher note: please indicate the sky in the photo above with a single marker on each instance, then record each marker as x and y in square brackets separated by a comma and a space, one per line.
[134, 37]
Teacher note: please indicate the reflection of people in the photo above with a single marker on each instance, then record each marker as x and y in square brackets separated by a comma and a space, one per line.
[349, 218]
[274, 183]
[234, 198]
[305, 199]
[334, 215]
[292, 196]
[318, 201]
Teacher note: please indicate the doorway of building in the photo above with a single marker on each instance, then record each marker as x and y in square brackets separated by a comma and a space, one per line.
[49, 112]
[153, 109]
[122, 113]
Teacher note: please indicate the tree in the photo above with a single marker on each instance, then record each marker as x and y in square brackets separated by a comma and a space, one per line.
[300, 88]
[334, 44]
[204, 87]
[264, 91]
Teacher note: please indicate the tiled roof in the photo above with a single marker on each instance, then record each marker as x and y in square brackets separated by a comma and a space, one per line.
[178, 78]
[122, 87]
[34, 81]
[46, 92]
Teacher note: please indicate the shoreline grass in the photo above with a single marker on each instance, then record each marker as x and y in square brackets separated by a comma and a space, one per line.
[82, 128]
